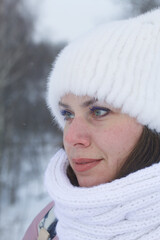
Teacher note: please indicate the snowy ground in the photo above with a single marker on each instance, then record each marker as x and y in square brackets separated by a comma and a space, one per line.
[16, 218]
[31, 197]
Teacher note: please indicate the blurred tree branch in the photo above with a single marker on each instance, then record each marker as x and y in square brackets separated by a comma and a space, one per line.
[142, 6]
[15, 33]
[24, 66]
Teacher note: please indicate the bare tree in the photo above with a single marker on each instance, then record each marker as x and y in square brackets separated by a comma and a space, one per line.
[15, 32]
[24, 67]
[142, 6]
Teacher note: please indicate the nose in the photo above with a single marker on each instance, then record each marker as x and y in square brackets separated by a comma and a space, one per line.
[77, 133]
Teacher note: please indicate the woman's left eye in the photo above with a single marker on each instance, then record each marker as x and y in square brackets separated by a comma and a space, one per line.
[99, 111]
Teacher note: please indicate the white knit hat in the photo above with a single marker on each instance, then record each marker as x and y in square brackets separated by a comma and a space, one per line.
[119, 63]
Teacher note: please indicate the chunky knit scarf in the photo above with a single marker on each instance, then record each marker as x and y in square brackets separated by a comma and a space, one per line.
[125, 209]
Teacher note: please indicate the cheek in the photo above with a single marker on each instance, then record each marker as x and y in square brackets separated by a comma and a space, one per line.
[67, 146]
[64, 141]
[119, 139]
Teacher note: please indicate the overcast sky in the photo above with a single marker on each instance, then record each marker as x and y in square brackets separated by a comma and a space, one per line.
[64, 20]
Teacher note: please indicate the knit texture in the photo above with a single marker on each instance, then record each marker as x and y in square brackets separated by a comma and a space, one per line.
[119, 63]
[124, 209]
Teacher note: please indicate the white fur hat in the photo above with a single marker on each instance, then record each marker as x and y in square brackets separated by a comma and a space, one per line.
[119, 63]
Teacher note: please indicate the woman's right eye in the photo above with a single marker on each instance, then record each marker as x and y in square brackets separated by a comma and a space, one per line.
[67, 115]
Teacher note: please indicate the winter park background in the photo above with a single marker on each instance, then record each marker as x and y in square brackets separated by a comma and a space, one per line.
[32, 32]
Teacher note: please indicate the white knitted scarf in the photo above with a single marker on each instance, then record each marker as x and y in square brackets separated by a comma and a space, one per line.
[125, 209]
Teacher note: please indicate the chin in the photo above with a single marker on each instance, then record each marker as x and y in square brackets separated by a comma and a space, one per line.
[89, 182]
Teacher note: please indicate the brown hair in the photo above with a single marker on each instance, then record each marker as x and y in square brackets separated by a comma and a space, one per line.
[144, 154]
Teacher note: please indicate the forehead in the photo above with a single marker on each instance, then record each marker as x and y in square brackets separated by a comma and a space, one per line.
[71, 100]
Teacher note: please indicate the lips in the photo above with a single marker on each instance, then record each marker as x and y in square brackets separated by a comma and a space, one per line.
[84, 164]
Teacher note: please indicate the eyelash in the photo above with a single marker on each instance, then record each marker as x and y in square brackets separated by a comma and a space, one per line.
[67, 114]
[94, 109]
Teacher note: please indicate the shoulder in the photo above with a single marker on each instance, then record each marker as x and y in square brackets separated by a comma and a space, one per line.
[32, 231]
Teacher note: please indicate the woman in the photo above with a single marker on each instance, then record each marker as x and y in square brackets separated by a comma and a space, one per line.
[104, 94]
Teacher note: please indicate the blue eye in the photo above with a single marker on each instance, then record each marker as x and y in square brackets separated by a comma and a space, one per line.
[98, 112]
[67, 115]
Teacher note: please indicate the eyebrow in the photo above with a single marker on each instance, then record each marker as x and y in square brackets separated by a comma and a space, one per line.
[84, 104]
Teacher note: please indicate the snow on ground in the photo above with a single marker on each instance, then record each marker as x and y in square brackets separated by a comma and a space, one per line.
[16, 218]
[31, 195]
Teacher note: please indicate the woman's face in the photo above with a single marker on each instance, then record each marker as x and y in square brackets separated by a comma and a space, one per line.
[97, 138]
